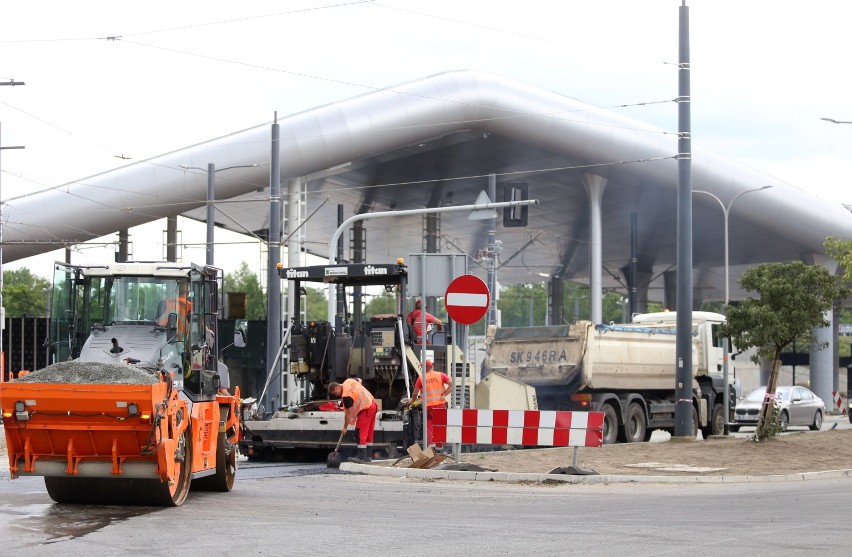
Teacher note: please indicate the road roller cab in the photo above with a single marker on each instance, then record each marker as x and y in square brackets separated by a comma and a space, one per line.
[135, 408]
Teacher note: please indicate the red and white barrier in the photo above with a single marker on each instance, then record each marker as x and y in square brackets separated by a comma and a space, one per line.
[518, 427]
[839, 407]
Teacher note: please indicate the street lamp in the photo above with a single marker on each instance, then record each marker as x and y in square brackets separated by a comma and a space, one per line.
[726, 209]
[3, 311]
[211, 195]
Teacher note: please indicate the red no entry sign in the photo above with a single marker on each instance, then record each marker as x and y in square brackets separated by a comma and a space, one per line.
[467, 299]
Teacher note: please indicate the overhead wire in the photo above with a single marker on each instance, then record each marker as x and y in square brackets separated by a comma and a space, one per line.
[514, 114]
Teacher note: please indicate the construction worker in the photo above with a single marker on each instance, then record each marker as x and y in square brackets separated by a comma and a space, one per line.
[416, 320]
[181, 306]
[360, 409]
[438, 386]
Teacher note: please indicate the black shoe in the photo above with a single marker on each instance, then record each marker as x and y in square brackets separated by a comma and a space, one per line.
[362, 457]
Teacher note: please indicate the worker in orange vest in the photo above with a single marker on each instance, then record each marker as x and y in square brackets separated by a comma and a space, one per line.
[360, 410]
[180, 306]
[438, 386]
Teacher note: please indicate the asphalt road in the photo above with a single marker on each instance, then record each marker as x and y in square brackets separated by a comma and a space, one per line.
[310, 510]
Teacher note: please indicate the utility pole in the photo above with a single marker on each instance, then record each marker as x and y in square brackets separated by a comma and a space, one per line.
[11, 82]
[683, 357]
[2, 308]
[273, 281]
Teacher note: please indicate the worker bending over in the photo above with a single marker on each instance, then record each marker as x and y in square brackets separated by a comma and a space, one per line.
[438, 386]
[360, 409]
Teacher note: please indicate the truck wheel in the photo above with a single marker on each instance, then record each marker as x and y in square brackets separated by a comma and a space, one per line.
[694, 423]
[610, 424]
[226, 468]
[717, 422]
[634, 425]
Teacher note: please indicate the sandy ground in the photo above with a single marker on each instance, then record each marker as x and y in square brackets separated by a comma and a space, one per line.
[788, 454]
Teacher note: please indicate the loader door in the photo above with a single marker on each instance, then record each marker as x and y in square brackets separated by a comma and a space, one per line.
[65, 326]
[201, 381]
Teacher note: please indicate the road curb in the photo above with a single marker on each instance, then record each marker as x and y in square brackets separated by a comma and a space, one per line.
[521, 477]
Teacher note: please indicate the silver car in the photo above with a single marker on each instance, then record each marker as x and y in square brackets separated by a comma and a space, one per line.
[799, 407]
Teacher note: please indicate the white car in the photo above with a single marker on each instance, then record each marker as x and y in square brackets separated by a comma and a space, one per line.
[799, 407]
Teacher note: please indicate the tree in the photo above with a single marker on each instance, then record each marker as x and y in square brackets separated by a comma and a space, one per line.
[24, 293]
[840, 251]
[793, 299]
[522, 305]
[245, 281]
[315, 305]
[384, 303]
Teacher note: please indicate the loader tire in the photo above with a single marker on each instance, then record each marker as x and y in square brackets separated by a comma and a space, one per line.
[226, 468]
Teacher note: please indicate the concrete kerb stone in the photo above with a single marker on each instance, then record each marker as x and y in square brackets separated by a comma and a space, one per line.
[521, 477]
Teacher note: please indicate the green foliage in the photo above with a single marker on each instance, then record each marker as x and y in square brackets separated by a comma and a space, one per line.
[615, 308]
[773, 427]
[522, 305]
[575, 302]
[243, 280]
[382, 304]
[315, 304]
[792, 300]
[840, 251]
[24, 294]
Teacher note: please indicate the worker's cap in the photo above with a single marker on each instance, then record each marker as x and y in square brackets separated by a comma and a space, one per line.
[428, 364]
[418, 304]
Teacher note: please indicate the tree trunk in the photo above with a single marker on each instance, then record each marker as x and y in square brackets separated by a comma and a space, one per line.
[767, 411]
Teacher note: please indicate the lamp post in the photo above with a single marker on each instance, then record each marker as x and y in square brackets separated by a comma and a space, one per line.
[726, 209]
[211, 197]
[2, 310]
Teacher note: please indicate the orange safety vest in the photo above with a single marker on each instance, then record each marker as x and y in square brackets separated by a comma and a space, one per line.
[181, 307]
[361, 397]
[433, 391]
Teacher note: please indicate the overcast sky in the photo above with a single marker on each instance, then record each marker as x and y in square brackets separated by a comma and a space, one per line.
[177, 73]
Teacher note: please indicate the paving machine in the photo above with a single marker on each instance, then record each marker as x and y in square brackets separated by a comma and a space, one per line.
[135, 408]
[376, 349]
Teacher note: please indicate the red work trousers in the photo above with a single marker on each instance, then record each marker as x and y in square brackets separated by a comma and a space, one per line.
[365, 422]
[429, 421]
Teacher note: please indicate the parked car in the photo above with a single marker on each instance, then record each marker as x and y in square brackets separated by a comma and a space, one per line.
[799, 407]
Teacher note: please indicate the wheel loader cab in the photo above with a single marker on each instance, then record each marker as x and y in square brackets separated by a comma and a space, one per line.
[201, 378]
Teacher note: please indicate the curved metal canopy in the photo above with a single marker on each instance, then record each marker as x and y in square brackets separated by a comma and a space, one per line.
[433, 142]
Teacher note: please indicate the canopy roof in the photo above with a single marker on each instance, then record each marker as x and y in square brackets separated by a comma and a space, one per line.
[433, 142]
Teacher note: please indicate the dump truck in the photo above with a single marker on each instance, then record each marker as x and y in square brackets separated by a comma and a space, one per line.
[626, 371]
[135, 408]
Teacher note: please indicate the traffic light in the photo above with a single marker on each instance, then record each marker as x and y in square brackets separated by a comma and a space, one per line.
[515, 216]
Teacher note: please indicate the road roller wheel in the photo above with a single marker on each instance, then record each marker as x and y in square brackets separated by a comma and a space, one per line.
[165, 495]
[226, 468]
[125, 491]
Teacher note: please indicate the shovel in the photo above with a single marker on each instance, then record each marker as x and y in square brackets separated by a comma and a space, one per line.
[333, 459]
